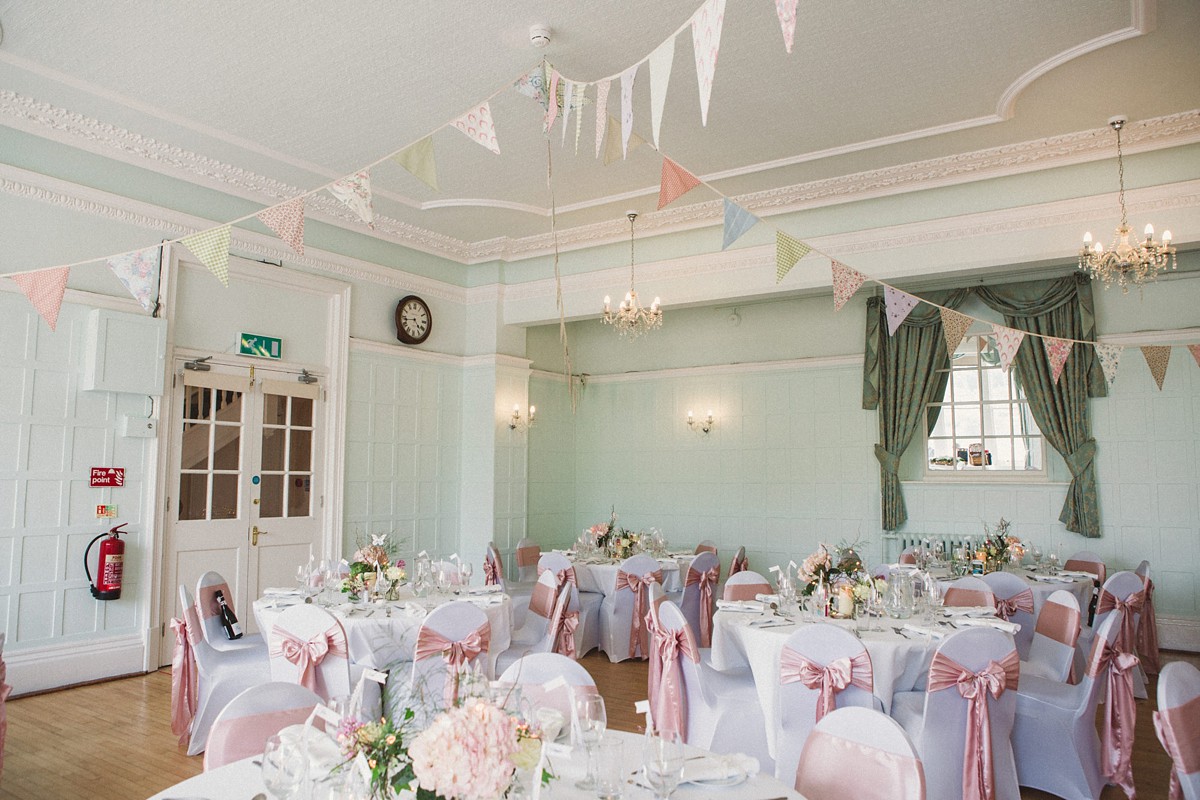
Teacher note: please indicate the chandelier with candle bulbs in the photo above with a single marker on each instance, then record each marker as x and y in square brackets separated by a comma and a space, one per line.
[630, 319]
[1126, 262]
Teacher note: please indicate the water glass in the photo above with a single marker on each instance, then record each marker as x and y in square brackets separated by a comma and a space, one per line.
[1052, 559]
[662, 760]
[591, 722]
[466, 569]
[283, 767]
[1035, 552]
[610, 777]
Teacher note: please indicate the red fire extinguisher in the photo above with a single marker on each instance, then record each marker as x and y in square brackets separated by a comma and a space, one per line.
[109, 566]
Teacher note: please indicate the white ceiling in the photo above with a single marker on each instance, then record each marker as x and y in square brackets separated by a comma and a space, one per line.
[269, 98]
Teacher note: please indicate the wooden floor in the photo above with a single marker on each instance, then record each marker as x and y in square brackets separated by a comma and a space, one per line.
[113, 740]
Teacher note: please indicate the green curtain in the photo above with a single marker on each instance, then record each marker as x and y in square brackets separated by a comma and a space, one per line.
[1061, 308]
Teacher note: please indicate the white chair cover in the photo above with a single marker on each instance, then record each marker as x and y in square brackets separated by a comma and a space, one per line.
[587, 635]
[221, 675]
[1147, 631]
[739, 563]
[699, 594]
[527, 555]
[540, 633]
[859, 753]
[207, 587]
[453, 576]
[308, 647]
[622, 614]
[745, 585]
[1177, 723]
[968, 591]
[1014, 602]
[454, 638]
[493, 567]
[706, 546]
[837, 660]
[1126, 590]
[1087, 561]
[1052, 650]
[531, 673]
[5, 691]
[242, 728]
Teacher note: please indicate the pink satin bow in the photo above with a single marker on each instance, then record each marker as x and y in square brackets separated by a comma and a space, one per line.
[979, 775]
[183, 683]
[491, 575]
[561, 576]
[456, 654]
[1183, 750]
[1116, 730]
[707, 580]
[564, 634]
[830, 679]
[640, 586]
[668, 698]
[308, 655]
[1130, 607]
[1147, 632]
[1021, 601]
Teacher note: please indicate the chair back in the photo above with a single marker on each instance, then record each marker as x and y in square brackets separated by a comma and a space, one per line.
[1125, 590]
[1147, 629]
[908, 555]
[453, 576]
[1014, 602]
[1112, 668]
[706, 546]
[557, 563]
[207, 607]
[1177, 723]
[185, 672]
[881, 571]
[745, 585]
[1087, 561]
[969, 591]
[453, 639]
[1055, 636]
[631, 600]
[532, 672]
[242, 728]
[822, 667]
[739, 563]
[862, 753]
[5, 691]
[307, 645]
[679, 685]
[699, 594]
[564, 617]
[966, 736]
[493, 567]
[528, 553]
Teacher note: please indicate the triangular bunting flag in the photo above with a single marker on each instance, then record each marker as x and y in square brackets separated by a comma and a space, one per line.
[1157, 357]
[1008, 342]
[737, 221]
[418, 159]
[582, 95]
[533, 84]
[212, 248]
[788, 250]
[676, 181]
[355, 193]
[627, 78]
[706, 42]
[139, 273]
[1109, 356]
[660, 76]
[287, 220]
[45, 289]
[612, 150]
[954, 327]
[477, 125]
[846, 282]
[552, 107]
[1057, 351]
[897, 306]
[1194, 349]
[602, 117]
[786, 9]
[568, 99]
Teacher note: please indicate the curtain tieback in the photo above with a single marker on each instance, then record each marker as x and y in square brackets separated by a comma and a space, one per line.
[1081, 457]
[889, 461]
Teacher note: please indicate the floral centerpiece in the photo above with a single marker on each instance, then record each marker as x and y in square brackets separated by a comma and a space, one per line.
[820, 567]
[370, 561]
[602, 533]
[618, 542]
[999, 546]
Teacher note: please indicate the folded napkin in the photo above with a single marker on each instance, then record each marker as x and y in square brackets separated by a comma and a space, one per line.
[969, 611]
[923, 631]
[1071, 573]
[735, 767]
[323, 753]
[744, 606]
[1052, 579]
[485, 600]
[492, 589]
[976, 622]
[414, 609]
[281, 591]
[767, 598]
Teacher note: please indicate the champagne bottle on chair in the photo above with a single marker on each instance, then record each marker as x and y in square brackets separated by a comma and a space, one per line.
[229, 621]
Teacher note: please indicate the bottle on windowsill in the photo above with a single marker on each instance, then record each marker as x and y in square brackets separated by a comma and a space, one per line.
[229, 621]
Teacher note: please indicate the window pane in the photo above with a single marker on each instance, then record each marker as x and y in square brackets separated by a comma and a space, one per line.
[196, 402]
[943, 426]
[194, 449]
[302, 412]
[966, 385]
[227, 447]
[1023, 420]
[272, 448]
[998, 453]
[300, 455]
[997, 419]
[271, 494]
[225, 497]
[299, 494]
[193, 496]
[995, 385]
[274, 409]
[1028, 453]
[967, 424]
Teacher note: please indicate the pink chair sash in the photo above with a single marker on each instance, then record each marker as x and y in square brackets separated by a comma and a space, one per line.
[707, 580]
[1119, 715]
[738, 564]
[956, 596]
[1058, 622]
[668, 699]
[979, 777]
[640, 586]
[1131, 606]
[705, 548]
[491, 572]
[1021, 601]
[908, 558]
[528, 556]
[1147, 632]
[831, 766]
[206, 600]
[308, 655]
[745, 591]
[542, 600]
[241, 737]
[456, 654]
[184, 697]
[830, 679]
[1172, 726]
[1097, 568]
[561, 576]
[564, 624]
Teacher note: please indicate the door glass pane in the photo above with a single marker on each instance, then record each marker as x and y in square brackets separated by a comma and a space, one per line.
[302, 410]
[228, 406]
[299, 494]
[227, 447]
[272, 448]
[193, 496]
[195, 445]
[225, 497]
[300, 455]
[274, 409]
[196, 400]
[271, 496]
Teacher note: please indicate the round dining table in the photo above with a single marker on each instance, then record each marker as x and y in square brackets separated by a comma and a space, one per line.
[1041, 584]
[600, 574]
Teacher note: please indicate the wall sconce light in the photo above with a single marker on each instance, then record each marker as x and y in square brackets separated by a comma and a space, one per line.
[700, 425]
[517, 422]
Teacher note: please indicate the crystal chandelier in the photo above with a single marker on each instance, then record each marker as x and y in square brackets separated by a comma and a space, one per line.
[630, 319]
[1125, 263]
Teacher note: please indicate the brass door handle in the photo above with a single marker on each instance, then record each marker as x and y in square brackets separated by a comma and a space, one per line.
[254, 534]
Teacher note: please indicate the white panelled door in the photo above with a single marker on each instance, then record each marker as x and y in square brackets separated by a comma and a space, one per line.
[245, 460]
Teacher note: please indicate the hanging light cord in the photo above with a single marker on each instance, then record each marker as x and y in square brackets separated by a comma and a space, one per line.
[1121, 177]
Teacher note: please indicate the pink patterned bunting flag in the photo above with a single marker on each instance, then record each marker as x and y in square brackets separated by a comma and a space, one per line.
[846, 282]
[627, 79]
[1194, 349]
[45, 289]
[601, 112]
[139, 273]
[478, 127]
[786, 9]
[676, 181]
[706, 42]
[897, 306]
[660, 76]
[1109, 356]
[1157, 357]
[355, 193]
[954, 328]
[287, 220]
[212, 248]
[552, 106]
[1057, 351]
[1008, 342]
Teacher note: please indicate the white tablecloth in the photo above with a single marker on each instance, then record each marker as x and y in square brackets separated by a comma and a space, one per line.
[601, 577]
[1080, 587]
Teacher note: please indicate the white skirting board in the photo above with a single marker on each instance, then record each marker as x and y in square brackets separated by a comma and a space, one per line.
[1178, 633]
[41, 668]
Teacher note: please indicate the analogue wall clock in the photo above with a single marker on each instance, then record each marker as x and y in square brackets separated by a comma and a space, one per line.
[413, 320]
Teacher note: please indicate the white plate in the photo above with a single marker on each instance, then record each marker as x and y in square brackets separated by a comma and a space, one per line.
[732, 780]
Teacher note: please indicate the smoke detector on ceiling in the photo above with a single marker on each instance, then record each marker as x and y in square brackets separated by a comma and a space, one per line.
[539, 35]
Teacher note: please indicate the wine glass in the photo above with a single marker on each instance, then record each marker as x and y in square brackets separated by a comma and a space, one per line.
[302, 573]
[1052, 559]
[591, 723]
[1035, 552]
[283, 767]
[442, 578]
[466, 570]
[662, 760]
[939, 552]
[934, 597]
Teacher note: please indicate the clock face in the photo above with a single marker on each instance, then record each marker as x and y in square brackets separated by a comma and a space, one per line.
[413, 320]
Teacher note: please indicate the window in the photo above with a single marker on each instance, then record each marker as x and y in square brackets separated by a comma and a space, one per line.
[982, 423]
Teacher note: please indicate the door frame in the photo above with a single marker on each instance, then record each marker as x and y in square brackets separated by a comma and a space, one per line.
[333, 376]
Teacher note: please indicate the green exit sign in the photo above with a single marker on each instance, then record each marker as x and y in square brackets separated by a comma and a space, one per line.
[259, 346]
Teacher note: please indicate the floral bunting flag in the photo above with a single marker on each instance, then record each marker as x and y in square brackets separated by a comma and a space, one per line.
[660, 76]
[1109, 356]
[287, 221]
[627, 78]
[897, 306]
[846, 282]
[568, 99]
[612, 150]
[1057, 351]
[477, 125]
[418, 159]
[139, 273]
[737, 221]
[788, 250]
[954, 328]
[355, 193]
[676, 181]
[1008, 342]
[786, 9]
[552, 106]
[533, 85]
[1194, 349]
[1157, 357]
[45, 290]
[212, 248]
[706, 42]
[602, 117]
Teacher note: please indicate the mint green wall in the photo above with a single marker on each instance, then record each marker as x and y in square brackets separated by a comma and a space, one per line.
[552, 464]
